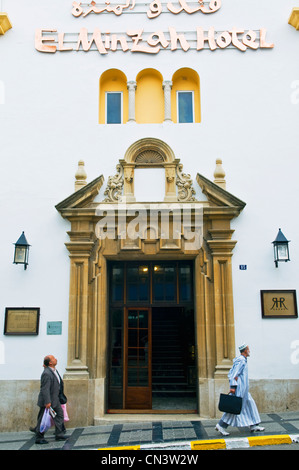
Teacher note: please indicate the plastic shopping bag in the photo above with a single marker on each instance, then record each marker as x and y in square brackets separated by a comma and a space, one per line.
[46, 421]
[66, 417]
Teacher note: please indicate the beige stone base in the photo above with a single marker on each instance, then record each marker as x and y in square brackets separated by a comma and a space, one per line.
[86, 405]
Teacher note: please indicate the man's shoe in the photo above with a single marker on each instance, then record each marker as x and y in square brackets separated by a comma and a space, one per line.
[221, 430]
[41, 441]
[32, 429]
[61, 437]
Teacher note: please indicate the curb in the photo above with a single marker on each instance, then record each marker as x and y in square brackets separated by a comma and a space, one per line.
[246, 442]
[214, 444]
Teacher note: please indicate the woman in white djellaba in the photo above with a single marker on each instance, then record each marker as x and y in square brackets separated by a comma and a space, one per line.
[239, 385]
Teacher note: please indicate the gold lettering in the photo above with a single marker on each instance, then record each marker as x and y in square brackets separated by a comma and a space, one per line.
[107, 40]
[160, 39]
[214, 5]
[263, 43]
[235, 40]
[116, 9]
[184, 6]
[201, 39]
[122, 40]
[174, 38]
[86, 45]
[224, 40]
[95, 9]
[39, 40]
[155, 9]
[77, 10]
[249, 40]
[136, 36]
[61, 46]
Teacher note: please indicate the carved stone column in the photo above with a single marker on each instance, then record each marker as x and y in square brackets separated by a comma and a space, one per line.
[221, 247]
[132, 88]
[167, 84]
[80, 247]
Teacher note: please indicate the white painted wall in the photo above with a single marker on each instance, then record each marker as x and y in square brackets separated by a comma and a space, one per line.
[49, 121]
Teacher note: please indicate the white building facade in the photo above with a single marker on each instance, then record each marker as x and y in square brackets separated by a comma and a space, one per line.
[108, 108]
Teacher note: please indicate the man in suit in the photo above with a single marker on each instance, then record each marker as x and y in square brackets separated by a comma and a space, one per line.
[50, 387]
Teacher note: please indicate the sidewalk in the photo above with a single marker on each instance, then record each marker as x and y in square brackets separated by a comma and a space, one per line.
[190, 433]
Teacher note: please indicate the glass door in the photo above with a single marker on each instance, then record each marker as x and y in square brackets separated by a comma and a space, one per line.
[138, 358]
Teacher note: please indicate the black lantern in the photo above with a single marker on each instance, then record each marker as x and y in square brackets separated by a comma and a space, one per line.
[281, 248]
[21, 251]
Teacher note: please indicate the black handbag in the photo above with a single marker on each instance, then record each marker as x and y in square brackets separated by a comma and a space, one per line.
[61, 396]
[230, 404]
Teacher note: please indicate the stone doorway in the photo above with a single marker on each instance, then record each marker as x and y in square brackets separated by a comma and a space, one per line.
[87, 371]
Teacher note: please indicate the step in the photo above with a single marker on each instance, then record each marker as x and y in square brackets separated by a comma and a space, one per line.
[169, 354]
[168, 380]
[168, 375]
[175, 393]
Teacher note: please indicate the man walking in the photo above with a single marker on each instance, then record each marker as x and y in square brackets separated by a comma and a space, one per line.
[239, 385]
[49, 397]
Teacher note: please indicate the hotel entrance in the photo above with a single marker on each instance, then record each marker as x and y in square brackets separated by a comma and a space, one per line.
[151, 337]
[153, 331]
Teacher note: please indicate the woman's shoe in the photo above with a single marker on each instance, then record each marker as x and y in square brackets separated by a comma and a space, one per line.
[257, 428]
[221, 430]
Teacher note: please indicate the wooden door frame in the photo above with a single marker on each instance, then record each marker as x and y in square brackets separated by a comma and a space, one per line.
[125, 371]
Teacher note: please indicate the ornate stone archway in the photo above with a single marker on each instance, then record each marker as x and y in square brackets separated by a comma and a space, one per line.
[86, 371]
[150, 153]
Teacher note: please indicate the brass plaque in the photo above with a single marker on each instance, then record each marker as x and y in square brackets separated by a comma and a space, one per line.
[279, 304]
[21, 321]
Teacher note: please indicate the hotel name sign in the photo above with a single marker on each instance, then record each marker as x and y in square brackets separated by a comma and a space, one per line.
[136, 40]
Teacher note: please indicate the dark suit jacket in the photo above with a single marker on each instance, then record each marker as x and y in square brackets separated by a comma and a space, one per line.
[49, 389]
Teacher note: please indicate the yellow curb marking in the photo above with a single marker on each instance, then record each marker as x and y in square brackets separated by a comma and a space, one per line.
[121, 448]
[208, 444]
[269, 440]
[212, 444]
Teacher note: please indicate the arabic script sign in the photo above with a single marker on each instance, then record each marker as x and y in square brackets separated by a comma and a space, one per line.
[155, 8]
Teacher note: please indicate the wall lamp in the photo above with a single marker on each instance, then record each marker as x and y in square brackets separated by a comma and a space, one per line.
[21, 251]
[281, 248]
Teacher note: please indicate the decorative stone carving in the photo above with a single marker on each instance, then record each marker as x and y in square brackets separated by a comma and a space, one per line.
[149, 157]
[170, 182]
[219, 175]
[115, 186]
[186, 191]
[129, 174]
[169, 174]
[80, 176]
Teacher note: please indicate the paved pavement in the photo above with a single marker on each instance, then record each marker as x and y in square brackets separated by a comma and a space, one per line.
[152, 435]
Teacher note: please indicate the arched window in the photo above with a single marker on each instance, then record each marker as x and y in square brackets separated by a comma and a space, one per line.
[149, 97]
[113, 97]
[185, 96]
